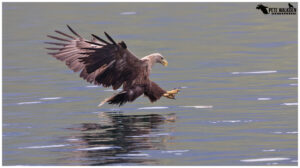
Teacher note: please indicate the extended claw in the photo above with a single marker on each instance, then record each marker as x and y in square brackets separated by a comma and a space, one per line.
[171, 94]
[174, 91]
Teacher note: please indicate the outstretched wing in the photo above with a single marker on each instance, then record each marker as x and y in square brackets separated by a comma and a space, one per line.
[100, 62]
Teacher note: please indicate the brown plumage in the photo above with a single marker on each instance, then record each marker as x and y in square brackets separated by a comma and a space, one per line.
[110, 64]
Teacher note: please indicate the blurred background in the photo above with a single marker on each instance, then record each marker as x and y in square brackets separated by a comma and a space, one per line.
[237, 69]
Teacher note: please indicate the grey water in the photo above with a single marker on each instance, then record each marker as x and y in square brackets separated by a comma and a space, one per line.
[236, 67]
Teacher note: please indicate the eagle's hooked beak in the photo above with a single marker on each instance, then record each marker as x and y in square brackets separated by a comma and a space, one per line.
[164, 62]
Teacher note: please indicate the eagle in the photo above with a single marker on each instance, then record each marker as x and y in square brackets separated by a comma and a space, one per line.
[108, 63]
[262, 8]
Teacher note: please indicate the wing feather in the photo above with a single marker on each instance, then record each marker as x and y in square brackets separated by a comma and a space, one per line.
[76, 34]
[100, 39]
[60, 44]
[110, 39]
[64, 34]
[57, 38]
[98, 61]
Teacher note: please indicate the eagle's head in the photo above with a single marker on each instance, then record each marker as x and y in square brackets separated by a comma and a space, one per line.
[155, 58]
[158, 58]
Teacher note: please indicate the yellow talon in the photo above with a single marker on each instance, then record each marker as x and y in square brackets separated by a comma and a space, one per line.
[175, 91]
[171, 94]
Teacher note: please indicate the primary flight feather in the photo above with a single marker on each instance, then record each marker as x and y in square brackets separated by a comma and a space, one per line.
[110, 64]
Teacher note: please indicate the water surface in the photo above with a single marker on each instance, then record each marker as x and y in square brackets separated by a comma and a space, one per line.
[237, 69]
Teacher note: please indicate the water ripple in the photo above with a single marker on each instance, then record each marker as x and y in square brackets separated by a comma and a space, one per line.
[175, 151]
[128, 13]
[50, 98]
[34, 102]
[264, 159]
[197, 107]
[290, 104]
[231, 121]
[152, 108]
[47, 146]
[92, 86]
[264, 98]
[100, 148]
[254, 72]
[269, 150]
[135, 155]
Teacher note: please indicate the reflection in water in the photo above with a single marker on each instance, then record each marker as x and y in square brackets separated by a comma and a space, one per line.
[119, 138]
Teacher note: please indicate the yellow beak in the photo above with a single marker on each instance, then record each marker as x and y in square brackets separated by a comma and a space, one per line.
[164, 62]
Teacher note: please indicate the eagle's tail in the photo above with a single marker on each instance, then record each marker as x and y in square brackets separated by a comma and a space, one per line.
[124, 96]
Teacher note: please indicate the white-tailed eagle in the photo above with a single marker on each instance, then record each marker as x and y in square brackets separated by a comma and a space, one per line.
[110, 64]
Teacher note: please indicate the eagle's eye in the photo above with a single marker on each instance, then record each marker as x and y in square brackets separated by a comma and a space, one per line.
[163, 61]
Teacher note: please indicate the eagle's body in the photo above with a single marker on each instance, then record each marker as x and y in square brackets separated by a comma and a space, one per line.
[111, 64]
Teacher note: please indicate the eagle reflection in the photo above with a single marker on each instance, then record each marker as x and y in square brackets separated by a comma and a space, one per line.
[119, 138]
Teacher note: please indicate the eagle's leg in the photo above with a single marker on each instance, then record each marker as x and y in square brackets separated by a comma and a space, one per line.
[171, 94]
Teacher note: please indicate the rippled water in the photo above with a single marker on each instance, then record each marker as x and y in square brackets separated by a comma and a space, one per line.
[237, 69]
